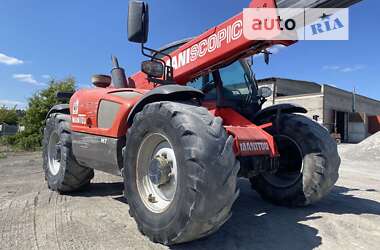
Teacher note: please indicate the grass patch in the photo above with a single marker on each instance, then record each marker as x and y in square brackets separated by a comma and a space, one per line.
[3, 155]
[20, 142]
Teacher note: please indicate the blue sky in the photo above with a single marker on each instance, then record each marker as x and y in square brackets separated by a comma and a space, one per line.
[43, 39]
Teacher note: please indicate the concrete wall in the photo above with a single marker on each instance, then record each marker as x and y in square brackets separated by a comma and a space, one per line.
[341, 100]
[294, 87]
[287, 87]
[312, 102]
[356, 132]
[283, 88]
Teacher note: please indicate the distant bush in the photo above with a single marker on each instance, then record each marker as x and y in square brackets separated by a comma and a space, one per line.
[29, 142]
[8, 140]
[3, 155]
[22, 141]
[3, 141]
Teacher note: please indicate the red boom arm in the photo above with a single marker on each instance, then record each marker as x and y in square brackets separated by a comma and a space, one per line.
[217, 46]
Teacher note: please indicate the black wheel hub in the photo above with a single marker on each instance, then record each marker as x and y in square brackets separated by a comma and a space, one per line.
[290, 166]
[159, 170]
[57, 153]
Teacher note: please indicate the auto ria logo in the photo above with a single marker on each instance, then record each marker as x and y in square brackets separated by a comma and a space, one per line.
[327, 24]
[296, 24]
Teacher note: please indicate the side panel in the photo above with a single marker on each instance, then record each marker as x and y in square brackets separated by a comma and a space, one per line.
[86, 104]
[107, 113]
[99, 152]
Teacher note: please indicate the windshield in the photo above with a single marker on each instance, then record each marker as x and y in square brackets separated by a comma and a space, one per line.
[237, 79]
[238, 84]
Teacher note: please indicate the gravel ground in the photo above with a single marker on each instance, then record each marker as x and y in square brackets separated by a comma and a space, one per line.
[32, 217]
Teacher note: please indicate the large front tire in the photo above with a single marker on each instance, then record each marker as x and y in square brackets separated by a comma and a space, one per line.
[202, 182]
[309, 163]
[62, 171]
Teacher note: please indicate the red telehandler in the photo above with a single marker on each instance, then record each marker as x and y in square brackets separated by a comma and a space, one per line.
[182, 131]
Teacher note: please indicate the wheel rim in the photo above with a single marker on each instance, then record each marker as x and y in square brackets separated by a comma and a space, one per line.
[291, 163]
[54, 154]
[156, 172]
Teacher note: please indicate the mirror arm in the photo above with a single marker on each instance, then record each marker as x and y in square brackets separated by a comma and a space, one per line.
[168, 73]
[159, 81]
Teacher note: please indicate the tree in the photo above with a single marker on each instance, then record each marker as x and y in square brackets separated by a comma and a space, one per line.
[38, 107]
[8, 115]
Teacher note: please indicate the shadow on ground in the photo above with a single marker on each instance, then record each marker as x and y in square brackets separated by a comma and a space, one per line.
[256, 224]
[101, 189]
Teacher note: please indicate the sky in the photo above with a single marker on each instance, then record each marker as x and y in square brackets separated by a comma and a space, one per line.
[41, 40]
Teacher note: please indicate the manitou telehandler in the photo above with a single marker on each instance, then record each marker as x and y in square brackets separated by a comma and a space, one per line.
[184, 129]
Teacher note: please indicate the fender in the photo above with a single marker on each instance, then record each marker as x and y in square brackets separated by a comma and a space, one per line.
[59, 108]
[165, 93]
[287, 108]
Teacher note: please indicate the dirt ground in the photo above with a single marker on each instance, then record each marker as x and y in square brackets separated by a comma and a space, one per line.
[32, 217]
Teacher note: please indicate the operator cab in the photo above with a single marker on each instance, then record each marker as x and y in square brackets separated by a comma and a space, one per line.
[238, 88]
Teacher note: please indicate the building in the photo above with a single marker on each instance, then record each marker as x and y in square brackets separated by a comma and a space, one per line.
[6, 129]
[348, 116]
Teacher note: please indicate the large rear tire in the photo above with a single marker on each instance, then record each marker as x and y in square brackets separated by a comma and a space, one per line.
[62, 171]
[309, 163]
[180, 172]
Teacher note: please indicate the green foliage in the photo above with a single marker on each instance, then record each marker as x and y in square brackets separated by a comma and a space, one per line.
[41, 102]
[3, 155]
[22, 141]
[38, 107]
[3, 140]
[29, 142]
[8, 140]
[9, 116]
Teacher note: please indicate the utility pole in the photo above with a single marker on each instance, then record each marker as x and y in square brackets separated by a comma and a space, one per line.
[354, 100]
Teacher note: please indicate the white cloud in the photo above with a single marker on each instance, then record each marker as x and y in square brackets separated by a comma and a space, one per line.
[331, 67]
[342, 69]
[8, 60]
[275, 49]
[28, 78]
[11, 104]
[351, 69]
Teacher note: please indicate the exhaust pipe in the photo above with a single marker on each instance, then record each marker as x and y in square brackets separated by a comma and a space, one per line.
[118, 75]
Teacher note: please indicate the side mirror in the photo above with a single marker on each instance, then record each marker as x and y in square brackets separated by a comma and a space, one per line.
[153, 68]
[138, 21]
[265, 92]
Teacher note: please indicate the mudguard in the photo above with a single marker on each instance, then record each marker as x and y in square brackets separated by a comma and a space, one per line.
[59, 108]
[165, 93]
[286, 108]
